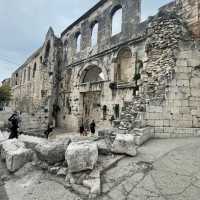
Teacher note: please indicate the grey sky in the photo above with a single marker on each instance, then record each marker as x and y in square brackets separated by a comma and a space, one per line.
[24, 23]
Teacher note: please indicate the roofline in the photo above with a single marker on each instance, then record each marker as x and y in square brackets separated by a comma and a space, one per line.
[95, 7]
[27, 61]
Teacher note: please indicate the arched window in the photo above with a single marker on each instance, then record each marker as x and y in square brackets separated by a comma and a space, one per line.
[92, 74]
[24, 75]
[29, 73]
[124, 65]
[47, 50]
[16, 78]
[34, 70]
[78, 42]
[41, 59]
[116, 20]
[94, 38]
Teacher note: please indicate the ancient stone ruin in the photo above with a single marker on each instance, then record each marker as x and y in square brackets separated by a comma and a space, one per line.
[143, 75]
[137, 82]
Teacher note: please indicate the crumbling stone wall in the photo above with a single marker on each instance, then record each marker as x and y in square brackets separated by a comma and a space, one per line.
[34, 85]
[144, 76]
[190, 11]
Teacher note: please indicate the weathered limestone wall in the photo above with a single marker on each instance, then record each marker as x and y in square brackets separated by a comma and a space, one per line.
[179, 114]
[190, 10]
[33, 85]
[142, 76]
[73, 90]
[102, 14]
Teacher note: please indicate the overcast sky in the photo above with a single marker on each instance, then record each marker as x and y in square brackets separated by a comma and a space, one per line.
[24, 23]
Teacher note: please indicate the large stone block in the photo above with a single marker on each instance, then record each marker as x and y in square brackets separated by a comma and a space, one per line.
[143, 135]
[15, 154]
[124, 144]
[52, 152]
[81, 156]
[31, 141]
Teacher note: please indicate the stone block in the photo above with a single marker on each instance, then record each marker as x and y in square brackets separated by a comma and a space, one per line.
[81, 156]
[15, 154]
[31, 141]
[143, 135]
[159, 123]
[182, 63]
[103, 147]
[195, 92]
[183, 83]
[166, 123]
[102, 133]
[155, 109]
[52, 152]
[124, 144]
[94, 185]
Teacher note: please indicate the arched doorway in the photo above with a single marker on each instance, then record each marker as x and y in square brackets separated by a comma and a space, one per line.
[124, 65]
[91, 77]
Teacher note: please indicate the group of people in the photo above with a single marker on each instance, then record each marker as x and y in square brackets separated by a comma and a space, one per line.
[85, 129]
[15, 121]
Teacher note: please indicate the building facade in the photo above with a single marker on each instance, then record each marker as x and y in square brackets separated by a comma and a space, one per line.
[108, 66]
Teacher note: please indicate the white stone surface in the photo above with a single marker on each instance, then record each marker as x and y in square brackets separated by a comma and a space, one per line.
[143, 135]
[31, 141]
[124, 144]
[81, 156]
[52, 151]
[15, 154]
[94, 185]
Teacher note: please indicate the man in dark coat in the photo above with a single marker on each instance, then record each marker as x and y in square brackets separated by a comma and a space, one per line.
[14, 126]
[92, 127]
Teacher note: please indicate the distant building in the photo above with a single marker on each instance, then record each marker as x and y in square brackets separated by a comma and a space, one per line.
[6, 82]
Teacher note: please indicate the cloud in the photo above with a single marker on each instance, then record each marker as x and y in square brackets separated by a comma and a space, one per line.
[24, 24]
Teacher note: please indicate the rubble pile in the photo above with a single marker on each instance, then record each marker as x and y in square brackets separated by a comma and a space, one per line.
[164, 33]
[80, 162]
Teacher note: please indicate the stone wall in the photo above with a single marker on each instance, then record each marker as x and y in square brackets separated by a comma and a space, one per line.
[143, 76]
[34, 84]
[190, 11]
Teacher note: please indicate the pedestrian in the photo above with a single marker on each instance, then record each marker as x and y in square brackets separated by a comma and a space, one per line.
[92, 127]
[81, 129]
[13, 120]
[49, 130]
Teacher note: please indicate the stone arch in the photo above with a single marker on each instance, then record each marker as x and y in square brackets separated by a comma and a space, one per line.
[88, 66]
[34, 69]
[91, 74]
[124, 65]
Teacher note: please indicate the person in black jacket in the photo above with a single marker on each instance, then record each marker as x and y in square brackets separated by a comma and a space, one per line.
[14, 126]
[92, 127]
[48, 130]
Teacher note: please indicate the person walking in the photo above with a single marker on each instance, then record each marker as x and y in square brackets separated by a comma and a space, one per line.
[14, 126]
[81, 130]
[92, 127]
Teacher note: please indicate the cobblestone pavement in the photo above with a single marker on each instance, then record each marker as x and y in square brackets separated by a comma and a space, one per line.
[163, 170]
